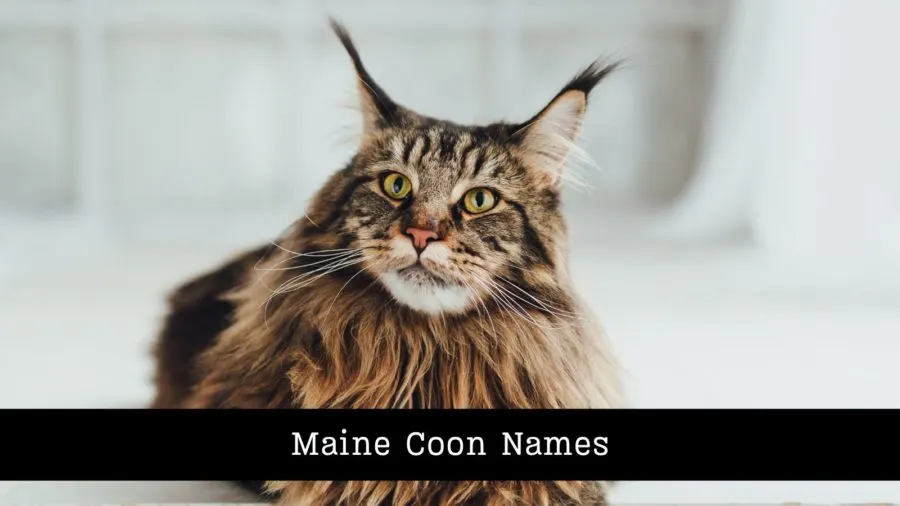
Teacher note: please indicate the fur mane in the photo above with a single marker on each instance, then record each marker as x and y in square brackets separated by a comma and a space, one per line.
[347, 345]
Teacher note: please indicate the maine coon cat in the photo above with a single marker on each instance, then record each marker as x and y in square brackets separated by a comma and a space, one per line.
[429, 272]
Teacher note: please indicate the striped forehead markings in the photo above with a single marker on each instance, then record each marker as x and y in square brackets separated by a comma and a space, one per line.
[408, 148]
[470, 155]
[447, 145]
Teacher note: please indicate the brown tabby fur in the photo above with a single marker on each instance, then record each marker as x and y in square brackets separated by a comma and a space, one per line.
[268, 330]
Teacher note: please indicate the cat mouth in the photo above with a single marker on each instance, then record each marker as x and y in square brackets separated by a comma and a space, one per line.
[425, 290]
[421, 275]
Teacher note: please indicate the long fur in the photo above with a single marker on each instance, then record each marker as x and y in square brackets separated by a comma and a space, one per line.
[304, 322]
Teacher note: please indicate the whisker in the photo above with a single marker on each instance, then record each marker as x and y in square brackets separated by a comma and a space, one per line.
[504, 297]
[300, 276]
[342, 289]
[300, 266]
[483, 305]
[331, 255]
[284, 289]
[543, 304]
[319, 254]
[512, 298]
[282, 248]
[500, 303]
[311, 253]
[265, 255]
[307, 278]
[301, 280]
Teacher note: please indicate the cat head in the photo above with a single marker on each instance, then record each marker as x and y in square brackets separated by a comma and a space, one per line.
[448, 216]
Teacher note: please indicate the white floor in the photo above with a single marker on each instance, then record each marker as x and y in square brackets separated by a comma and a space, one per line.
[695, 328]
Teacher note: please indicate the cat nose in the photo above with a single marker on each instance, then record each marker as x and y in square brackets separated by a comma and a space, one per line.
[421, 237]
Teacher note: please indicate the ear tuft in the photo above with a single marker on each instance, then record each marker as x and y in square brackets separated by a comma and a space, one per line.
[586, 80]
[548, 138]
[378, 109]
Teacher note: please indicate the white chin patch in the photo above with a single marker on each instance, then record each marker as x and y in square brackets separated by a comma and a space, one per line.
[424, 295]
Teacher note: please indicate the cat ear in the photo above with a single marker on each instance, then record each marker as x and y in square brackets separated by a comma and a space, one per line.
[549, 138]
[378, 110]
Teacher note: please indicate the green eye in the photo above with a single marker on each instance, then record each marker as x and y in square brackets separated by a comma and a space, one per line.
[397, 186]
[479, 200]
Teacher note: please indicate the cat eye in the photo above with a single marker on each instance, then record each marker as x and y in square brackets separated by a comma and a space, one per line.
[479, 200]
[397, 186]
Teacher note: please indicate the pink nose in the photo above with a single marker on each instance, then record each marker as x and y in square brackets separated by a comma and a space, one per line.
[421, 237]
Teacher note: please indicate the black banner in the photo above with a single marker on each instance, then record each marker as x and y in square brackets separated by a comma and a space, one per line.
[621, 445]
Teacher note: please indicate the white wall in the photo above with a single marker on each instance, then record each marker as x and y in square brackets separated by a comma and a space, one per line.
[217, 119]
[800, 148]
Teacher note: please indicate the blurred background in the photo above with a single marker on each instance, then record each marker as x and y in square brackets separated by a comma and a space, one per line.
[741, 239]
